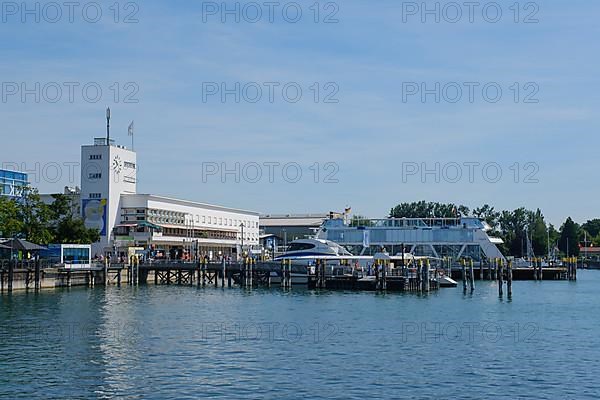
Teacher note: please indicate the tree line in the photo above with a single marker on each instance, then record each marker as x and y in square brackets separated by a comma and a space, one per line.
[28, 217]
[513, 227]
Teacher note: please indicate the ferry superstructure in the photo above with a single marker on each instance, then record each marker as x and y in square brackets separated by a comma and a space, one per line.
[453, 238]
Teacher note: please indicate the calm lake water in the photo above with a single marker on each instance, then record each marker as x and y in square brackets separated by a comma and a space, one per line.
[183, 342]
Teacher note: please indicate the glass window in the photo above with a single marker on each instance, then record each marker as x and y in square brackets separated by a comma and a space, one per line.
[76, 256]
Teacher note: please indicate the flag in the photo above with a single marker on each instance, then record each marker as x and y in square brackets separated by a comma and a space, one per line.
[366, 238]
[130, 129]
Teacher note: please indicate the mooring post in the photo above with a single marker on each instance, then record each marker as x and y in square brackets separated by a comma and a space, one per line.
[11, 272]
[37, 273]
[509, 280]
[463, 266]
[575, 269]
[427, 283]
[471, 275]
[198, 273]
[224, 272]
[229, 275]
[384, 267]
[105, 272]
[500, 277]
[541, 269]
[480, 268]
[489, 268]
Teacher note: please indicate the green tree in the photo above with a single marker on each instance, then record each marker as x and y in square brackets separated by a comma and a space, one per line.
[67, 227]
[423, 209]
[569, 238]
[35, 217]
[488, 214]
[538, 233]
[10, 224]
[512, 227]
[592, 227]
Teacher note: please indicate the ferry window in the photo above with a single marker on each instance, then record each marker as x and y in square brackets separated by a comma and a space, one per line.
[300, 246]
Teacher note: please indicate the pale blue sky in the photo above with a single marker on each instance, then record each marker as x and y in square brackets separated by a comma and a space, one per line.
[369, 133]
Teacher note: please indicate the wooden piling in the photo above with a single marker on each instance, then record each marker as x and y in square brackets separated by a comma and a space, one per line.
[105, 272]
[480, 268]
[509, 279]
[11, 273]
[500, 277]
[426, 277]
[37, 273]
[464, 274]
[471, 275]
[198, 274]
[224, 267]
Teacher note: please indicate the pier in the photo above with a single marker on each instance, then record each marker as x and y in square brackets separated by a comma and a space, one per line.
[421, 277]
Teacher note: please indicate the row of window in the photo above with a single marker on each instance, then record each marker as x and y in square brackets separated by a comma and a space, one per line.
[159, 216]
[95, 156]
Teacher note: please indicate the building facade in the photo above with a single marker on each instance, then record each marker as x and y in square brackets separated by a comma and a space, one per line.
[107, 172]
[12, 183]
[173, 228]
[160, 227]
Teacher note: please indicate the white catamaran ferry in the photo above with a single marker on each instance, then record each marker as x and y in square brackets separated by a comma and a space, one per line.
[441, 238]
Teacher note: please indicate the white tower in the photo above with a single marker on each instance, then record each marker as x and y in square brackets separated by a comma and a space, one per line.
[107, 171]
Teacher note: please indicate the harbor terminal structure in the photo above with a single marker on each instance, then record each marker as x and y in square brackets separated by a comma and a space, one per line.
[157, 226]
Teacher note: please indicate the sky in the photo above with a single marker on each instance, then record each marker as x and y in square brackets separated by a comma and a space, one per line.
[305, 107]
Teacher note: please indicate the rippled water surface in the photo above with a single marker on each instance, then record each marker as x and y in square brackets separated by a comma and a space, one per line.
[184, 342]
